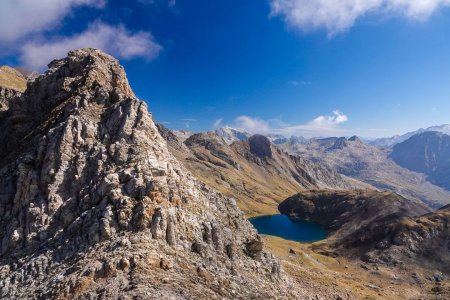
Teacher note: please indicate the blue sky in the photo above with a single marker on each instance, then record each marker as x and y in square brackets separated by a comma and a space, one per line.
[304, 67]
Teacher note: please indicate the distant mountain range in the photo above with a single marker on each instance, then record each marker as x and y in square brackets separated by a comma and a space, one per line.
[427, 153]
[386, 164]
[392, 141]
[372, 165]
[254, 171]
[230, 135]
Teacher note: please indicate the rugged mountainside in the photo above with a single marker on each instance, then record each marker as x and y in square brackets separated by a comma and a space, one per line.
[183, 135]
[380, 227]
[427, 153]
[392, 141]
[254, 171]
[12, 84]
[372, 165]
[230, 135]
[93, 205]
[12, 79]
[343, 212]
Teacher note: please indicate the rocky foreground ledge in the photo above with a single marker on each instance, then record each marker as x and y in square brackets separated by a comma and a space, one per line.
[93, 205]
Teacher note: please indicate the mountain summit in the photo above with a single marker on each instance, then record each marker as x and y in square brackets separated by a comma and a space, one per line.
[93, 205]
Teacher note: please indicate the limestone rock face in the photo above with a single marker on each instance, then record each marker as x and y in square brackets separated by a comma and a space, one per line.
[5, 96]
[93, 205]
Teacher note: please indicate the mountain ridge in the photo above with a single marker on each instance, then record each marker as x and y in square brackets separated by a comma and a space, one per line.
[392, 141]
[372, 165]
[254, 171]
[427, 153]
[93, 205]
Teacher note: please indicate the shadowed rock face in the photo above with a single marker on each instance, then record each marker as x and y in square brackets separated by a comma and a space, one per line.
[428, 153]
[260, 146]
[339, 210]
[379, 227]
[93, 205]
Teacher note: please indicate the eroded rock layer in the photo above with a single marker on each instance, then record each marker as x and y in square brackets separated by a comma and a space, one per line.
[93, 205]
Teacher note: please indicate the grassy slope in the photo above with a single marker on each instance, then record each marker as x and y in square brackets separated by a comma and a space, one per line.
[12, 79]
[330, 277]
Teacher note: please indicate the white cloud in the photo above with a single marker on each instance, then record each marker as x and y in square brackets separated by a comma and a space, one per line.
[320, 126]
[170, 3]
[20, 18]
[252, 125]
[338, 15]
[116, 40]
[217, 123]
[300, 82]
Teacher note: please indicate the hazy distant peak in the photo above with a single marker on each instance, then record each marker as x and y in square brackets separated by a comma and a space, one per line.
[396, 139]
[230, 134]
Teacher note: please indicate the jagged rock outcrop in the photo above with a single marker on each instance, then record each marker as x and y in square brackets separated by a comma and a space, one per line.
[93, 205]
[230, 135]
[5, 96]
[260, 146]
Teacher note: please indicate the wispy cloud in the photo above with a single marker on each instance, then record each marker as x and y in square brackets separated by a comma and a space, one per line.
[300, 82]
[116, 40]
[217, 123]
[336, 16]
[320, 126]
[27, 30]
[252, 125]
[187, 122]
[19, 19]
[169, 3]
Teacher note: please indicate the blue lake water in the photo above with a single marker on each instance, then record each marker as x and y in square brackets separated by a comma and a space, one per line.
[288, 229]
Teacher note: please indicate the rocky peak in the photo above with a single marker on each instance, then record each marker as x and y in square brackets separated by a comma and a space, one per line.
[92, 75]
[209, 140]
[231, 135]
[339, 144]
[90, 198]
[355, 139]
[260, 146]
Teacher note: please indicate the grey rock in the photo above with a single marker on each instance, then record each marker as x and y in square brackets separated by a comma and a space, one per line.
[93, 205]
